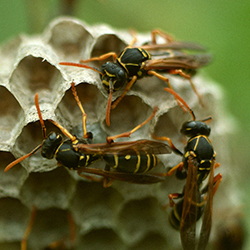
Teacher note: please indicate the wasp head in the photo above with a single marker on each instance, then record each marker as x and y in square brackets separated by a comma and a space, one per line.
[194, 128]
[50, 145]
[114, 76]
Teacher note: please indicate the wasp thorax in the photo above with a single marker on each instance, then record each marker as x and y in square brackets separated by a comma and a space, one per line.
[113, 74]
[50, 144]
[193, 128]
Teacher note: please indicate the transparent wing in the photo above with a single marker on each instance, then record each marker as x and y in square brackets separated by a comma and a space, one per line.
[127, 177]
[207, 214]
[124, 148]
[180, 60]
[189, 213]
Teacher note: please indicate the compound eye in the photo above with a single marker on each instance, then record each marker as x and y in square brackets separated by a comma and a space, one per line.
[120, 79]
[53, 137]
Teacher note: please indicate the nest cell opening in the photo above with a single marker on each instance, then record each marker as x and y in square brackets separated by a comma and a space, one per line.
[69, 39]
[11, 113]
[105, 44]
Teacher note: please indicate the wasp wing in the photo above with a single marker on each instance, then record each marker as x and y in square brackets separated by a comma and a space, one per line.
[173, 45]
[207, 214]
[124, 148]
[180, 60]
[189, 212]
[127, 177]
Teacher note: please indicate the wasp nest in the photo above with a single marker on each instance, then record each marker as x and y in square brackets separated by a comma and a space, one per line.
[123, 216]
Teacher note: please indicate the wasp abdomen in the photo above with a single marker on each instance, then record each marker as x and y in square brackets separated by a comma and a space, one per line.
[132, 163]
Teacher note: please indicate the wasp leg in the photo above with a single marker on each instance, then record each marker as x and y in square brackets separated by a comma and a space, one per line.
[107, 181]
[217, 181]
[128, 87]
[165, 79]
[174, 196]
[155, 32]
[88, 177]
[188, 77]
[164, 138]
[110, 139]
[134, 40]
[101, 58]
[64, 243]
[28, 229]
[84, 115]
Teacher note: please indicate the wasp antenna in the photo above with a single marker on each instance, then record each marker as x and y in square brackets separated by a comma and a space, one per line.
[40, 116]
[64, 130]
[181, 100]
[12, 164]
[207, 119]
[84, 115]
[81, 66]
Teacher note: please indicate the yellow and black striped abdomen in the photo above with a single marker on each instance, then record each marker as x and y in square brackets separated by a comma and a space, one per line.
[135, 163]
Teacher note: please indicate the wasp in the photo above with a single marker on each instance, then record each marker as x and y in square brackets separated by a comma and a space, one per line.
[136, 62]
[131, 160]
[198, 162]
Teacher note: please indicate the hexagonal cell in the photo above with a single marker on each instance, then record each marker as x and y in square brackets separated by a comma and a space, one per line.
[151, 241]
[14, 218]
[123, 120]
[91, 99]
[104, 44]
[30, 138]
[103, 238]
[11, 182]
[169, 124]
[88, 213]
[11, 115]
[32, 75]
[69, 39]
[139, 217]
[45, 190]
[50, 225]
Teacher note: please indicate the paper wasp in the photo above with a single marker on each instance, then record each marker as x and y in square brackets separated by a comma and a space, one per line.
[136, 62]
[197, 164]
[131, 159]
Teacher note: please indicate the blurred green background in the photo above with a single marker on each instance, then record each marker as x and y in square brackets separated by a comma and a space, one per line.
[221, 26]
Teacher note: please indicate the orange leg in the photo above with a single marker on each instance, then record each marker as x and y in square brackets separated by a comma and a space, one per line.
[89, 177]
[84, 116]
[164, 138]
[155, 32]
[217, 181]
[188, 77]
[110, 139]
[29, 228]
[165, 79]
[128, 87]
[101, 58]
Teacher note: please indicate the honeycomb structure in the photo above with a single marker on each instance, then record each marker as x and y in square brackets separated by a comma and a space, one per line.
[123, 216]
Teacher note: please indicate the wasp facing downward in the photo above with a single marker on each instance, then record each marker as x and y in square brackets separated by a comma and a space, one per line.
[197, 164]
[136, 62]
